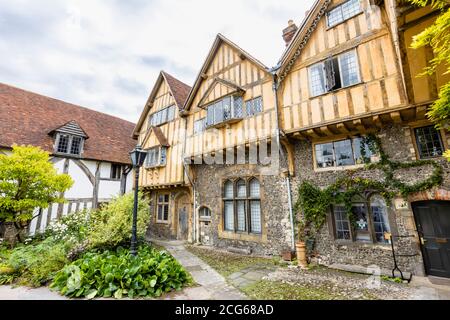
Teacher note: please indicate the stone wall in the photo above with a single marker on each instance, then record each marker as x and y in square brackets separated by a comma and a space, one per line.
[276, 235]
[397, 143]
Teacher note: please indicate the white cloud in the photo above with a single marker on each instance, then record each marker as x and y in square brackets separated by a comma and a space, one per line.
[106, 54]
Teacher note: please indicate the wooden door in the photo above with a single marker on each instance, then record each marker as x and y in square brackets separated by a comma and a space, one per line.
[433, 225]
[183, 208]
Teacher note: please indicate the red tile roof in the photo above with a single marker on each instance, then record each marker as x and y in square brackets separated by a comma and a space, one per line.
[179, 89]
[27, 118]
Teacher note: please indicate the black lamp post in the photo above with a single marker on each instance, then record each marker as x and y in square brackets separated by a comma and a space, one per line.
[137, 160]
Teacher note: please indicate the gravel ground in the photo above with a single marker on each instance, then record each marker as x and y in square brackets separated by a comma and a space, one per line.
[343, 285]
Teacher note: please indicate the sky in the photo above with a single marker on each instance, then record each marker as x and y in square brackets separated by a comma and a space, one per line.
[107, 54]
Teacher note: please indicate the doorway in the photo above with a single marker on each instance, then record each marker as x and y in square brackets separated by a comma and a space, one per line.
[183, 213]
[433, 224]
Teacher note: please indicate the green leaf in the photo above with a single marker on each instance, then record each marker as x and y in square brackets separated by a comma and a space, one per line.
[91, 294]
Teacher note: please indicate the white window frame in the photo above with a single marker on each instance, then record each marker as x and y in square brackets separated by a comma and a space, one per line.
[358, 73]
[69, 144]
[163, 204]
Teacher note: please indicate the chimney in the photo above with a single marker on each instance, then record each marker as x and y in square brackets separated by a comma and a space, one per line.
[289, 32]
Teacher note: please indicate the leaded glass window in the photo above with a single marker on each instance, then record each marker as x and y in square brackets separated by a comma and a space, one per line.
[343, 12]
[63, 144]
[75, 147]
[429, 142]
[163, 116]
[163, 208]
[342, 223]
[69, 144]
[253, 106]
[379, 218]
[156, 157]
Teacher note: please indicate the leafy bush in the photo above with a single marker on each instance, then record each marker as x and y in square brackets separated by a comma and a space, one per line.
[118, 273]
[73, 227]
[111, 225]
[33, 264]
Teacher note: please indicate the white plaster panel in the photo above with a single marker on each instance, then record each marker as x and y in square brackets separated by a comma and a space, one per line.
[108, 189]
[105, 170]
[82, 187]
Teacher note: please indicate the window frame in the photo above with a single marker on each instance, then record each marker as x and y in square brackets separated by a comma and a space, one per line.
[352, 140]
[248, 199]
[246, 114]
[120, 170]
[417, 148]
[339, 6]
[160, 163]
[158, 115]
[163, 205]
[367, 202]
[223, 121]
[322, 64]
[69, 144]
[203, 217]
[203, 127]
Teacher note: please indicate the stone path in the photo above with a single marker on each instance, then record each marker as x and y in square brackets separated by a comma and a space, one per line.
[212, 286]
[250, 275]
[23, 293]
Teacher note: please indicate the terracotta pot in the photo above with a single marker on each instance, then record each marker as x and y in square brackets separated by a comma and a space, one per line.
[288, 255]
[301, 254]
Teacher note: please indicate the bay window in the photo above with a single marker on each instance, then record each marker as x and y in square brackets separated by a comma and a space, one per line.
[225, 110]
[163, 116]
[156, 157]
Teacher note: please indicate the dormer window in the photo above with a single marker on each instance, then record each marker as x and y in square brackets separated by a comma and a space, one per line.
[226, 110]
[69, 139]
[156, 157]
[68, 144]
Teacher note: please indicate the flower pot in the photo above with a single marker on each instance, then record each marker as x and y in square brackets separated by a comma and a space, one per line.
[301, 255]
[288, 255]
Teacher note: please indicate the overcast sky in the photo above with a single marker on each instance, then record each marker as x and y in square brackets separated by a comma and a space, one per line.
[106, 54]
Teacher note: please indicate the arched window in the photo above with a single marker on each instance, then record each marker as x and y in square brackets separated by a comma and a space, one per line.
[205, 213]
[380, 219]
[242, 208]
[371, 220]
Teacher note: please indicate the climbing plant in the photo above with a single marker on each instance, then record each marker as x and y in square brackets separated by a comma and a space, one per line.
[314, 202]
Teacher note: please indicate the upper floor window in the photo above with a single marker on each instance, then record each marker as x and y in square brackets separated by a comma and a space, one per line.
[199, 126]
[253, 106]
[343, 12]
[156, 157]
[341, 153]
[165, 115]
[225, 110]
[69, 144]
[371, 221]
[116, 171]
[242, 206]
[429, 142]
[334, 73]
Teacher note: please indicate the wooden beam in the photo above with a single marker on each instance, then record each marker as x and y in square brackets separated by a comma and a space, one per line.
[342, 128]
[312, 133]
[326, 131]
[396, 117]
[421, 112]
[377, 121]
[359, 125]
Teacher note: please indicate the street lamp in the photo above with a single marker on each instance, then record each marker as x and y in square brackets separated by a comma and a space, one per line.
[137, 160]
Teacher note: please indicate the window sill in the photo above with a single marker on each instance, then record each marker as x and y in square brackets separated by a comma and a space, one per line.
[155, 167]
[162, 222]
[341, 168]
[337, 90]
[67, 155]
[371, 245]
[224, 123]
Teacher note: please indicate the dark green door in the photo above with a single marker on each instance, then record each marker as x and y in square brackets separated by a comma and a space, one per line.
[433, 225]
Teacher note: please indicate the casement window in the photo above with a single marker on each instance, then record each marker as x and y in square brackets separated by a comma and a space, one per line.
[163, 116]
[116, 171]
[253, 106]
[224, 110]
[205, 213]
[199, 126]
[163, 208]
[334, 73]
[343, 12]
[371, 221]
[69, 144]
[341, 153]
[156, 157]
[242, 206]
[429, 142]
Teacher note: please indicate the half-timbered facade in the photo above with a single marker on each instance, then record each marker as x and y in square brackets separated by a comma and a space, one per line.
[349, 72]
[161, 132]
[90, 146]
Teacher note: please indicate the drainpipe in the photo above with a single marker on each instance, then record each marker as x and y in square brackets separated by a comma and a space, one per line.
[275, 87]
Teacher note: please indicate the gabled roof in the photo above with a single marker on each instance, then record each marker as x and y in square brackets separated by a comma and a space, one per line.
[231, 85]
[301, 37]
[212, 52]
[178, 89]
[27, 118]
[71, 127]
[162, 140]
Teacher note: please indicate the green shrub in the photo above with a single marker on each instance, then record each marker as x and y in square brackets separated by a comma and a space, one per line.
[72, 228]
[34, 264]
[111, 225]
[118, 273]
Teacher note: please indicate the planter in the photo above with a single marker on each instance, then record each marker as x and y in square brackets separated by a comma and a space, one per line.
[288, 255]
[301, 255]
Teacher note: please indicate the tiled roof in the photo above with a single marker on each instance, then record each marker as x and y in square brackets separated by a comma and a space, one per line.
[27, 118]
[179, 89]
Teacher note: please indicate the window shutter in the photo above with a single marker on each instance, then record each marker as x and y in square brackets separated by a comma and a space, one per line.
[163, 159]
[329, 74]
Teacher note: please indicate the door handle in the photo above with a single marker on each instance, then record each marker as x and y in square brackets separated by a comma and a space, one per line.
[423, 240]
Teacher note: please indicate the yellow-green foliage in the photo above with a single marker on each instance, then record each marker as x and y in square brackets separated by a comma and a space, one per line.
[28, 180]
[111, 225]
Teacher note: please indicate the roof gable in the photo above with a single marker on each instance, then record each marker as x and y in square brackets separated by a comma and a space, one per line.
[72, 128]
[159, 135]
[178, 90]
[218, 42]
[224, 86]
[301, 37]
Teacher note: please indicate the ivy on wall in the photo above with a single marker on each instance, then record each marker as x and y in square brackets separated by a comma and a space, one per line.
[314, 202]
